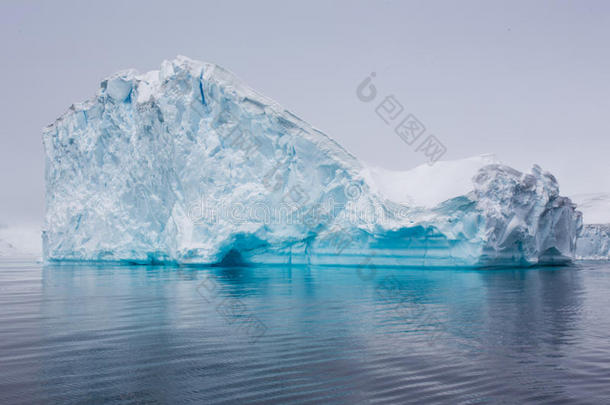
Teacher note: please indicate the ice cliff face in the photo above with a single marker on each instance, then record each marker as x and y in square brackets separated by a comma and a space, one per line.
[187, 164]
[525, 217]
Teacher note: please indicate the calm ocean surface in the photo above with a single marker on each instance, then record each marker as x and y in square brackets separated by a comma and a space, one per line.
[85, 334]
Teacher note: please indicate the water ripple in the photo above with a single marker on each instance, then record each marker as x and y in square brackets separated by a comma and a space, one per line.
[146, 335]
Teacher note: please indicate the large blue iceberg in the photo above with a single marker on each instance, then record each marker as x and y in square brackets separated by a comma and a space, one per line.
[189, 165]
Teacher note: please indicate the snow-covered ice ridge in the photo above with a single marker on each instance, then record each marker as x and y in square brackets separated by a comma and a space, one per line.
[189, 165]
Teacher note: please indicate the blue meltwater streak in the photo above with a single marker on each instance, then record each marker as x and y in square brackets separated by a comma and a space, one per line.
[278, 334]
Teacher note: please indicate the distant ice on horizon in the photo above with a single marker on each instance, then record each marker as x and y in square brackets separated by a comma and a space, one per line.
[21, 241]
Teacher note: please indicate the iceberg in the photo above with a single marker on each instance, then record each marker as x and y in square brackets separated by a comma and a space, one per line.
[594, 241]
[188, 165]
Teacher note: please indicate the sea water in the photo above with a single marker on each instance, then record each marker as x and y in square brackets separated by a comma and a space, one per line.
[93, 334]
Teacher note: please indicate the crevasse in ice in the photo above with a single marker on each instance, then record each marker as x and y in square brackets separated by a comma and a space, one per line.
[189, 165]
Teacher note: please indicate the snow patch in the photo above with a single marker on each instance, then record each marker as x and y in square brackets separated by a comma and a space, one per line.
[427, 186]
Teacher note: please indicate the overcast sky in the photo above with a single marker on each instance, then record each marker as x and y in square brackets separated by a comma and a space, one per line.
[528, 81]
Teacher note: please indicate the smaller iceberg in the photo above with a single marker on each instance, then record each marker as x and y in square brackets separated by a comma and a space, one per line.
[20, 241]
[594, 240]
